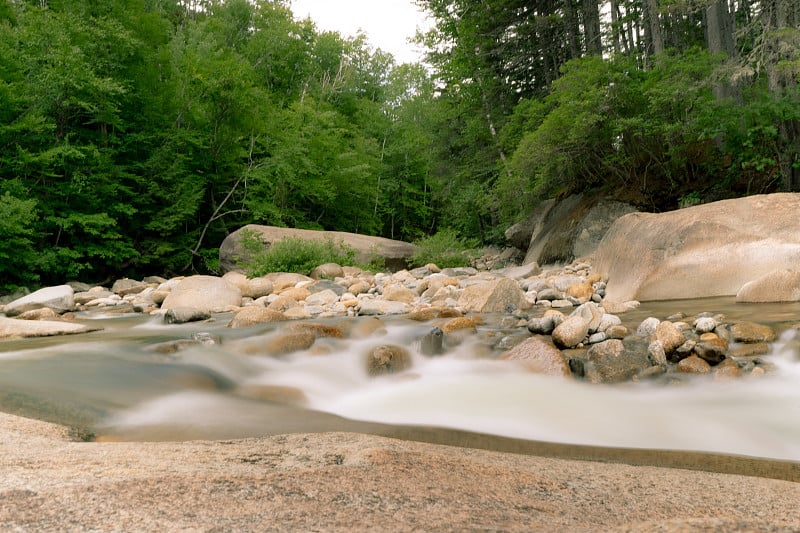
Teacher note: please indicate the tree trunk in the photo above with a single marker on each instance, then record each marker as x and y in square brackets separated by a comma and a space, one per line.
[654, 26]
[571, 25]
[591, 27]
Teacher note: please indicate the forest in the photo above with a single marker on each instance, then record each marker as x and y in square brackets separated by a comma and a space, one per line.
[136, 134]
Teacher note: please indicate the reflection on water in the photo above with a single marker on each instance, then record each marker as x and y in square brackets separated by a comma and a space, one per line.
[110, 381]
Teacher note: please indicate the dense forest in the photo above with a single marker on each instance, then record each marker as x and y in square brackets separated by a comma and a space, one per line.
[136, 134]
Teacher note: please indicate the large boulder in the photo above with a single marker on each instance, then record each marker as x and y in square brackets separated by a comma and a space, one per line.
[560, 231]
[779, 286]
[499, 296]
[204, 293]
[60, 299]
[395, 254]
[539, 355]
[706, 250]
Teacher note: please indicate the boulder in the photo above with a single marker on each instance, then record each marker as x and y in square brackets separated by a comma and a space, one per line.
[500, 296]
[572, 331]
[376, 306]
[561, 231]
[327, 271]
[254, 315]
[701, 251]
[60, 299]
[11, 328]
[539, 355]
[394, 254]
[778, 286]
[750, 332]
[205, 293]
[618, 360]
[182, 315]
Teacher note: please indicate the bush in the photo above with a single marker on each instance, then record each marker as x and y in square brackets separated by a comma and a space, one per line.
[445, 249]
[291, 254]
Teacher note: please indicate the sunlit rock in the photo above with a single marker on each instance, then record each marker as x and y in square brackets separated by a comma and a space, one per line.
[539, 355]
[60, 299]
[206, 293]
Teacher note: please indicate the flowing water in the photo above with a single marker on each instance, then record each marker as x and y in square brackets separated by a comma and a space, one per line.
[111, 382]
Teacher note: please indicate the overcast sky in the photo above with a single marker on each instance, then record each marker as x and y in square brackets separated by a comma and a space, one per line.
[387, 23]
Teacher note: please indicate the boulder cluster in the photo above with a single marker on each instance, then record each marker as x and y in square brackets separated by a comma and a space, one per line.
[554, 322]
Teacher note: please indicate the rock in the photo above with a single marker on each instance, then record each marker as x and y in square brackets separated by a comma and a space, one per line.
[648, 327]
[367, 327]
[549, 294]
[694, 365]
[620, 307]
[617, 332]
[582, 291]
[11, 328]
[607, 321]
[670, 337]
[375, 306]
[258, 287]
[705, 325]
[45, 313]
[298, 294]
[570, 228]
[394, 254]
[571, 332]
[206, 293]
[543, 325]
[60, 299]
[398, 293]
[287, 342]
[327, 271]
[711, 350]
[387, 359]
[182, 315]
[83, 298]
[500, 296]
[254, 315]
[285, 280]
[617, 360]
[750, 332]
[727, 369]
[282, 304]
[430, 313]
[325, 285]
[323, 298]
[170, 347]
[539, 355]
[126, 286]
[319, 330]
[590, 312]
[657, 354]
[722, 245]
[748, 350]
[432, 343]
[282, 394]
[459, 324]
[778, 286]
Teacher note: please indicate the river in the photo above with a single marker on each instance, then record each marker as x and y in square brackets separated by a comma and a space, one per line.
[111, 383]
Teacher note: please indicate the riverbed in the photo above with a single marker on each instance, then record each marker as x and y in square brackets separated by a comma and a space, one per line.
[111, 384]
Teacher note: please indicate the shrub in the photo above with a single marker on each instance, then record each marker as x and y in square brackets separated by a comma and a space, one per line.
[445, 249]
[291, 254]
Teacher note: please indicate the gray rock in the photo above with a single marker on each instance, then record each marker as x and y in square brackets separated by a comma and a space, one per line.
[647, 327]
[705, 324]
[182, 315]
[543, 325]
[657, 353]
[60, 299]
[618, 360]
[539, 355]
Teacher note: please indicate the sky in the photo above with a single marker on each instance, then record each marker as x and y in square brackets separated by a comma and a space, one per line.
[387, 23]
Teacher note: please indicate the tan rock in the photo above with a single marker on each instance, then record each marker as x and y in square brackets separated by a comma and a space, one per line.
[582, 291]
[571, 332]
[777, 286]
[694, 365]
[327, 271]
[284, 343]
[284, 280]
[282, 304]
[273, 393]
[367, 327]
[254, 315]
[539, 355]
[500, 296]
[399, 293]
[750, 332]
[459, 323]
[319, 330]
[206, 293]
[298, 294]
[387, 359]
[670, 336]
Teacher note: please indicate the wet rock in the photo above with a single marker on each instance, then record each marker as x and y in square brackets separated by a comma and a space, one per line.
[694, 365]
[748, 350]
[430, 313]
[750, 332]
[60, 299]
[12, 328]
[617, 332]
[367, 327]
[284, 343]
[571, 332]
[648, 327]
[387, 359]
[171, 347]
[657, 354]
[432, 343]
[670, 337]
[727, 369]
[615, 360]
[182, 315]
[459, 324]
[543, 325]
[539, 355]
[282, 394]
[254, 315]
[711, 350]
[207, 293]
[493, 297]
[319, 330]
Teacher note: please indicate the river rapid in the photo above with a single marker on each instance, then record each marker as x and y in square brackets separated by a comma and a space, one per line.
[111, 383]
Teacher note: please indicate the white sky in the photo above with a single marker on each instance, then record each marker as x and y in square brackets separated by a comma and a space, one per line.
[387, 23]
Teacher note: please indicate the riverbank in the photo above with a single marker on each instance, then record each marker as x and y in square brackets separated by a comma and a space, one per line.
[349, 481]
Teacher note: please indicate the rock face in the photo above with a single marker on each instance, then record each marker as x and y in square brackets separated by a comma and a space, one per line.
[394, 253]
[558, 232]
[713, 249]
[204, 293]
[778, 286]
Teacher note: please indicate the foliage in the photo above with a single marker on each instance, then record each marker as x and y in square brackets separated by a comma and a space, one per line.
[291, 254]
[445, 249]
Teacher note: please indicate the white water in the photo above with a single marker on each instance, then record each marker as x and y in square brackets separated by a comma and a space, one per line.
[754, 416]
